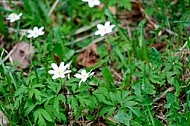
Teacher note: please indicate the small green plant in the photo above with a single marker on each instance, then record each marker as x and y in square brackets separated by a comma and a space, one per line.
[136, 79]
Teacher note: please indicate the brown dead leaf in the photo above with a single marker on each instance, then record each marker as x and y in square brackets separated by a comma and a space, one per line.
[159, 46]
[3, 119]
[89, 57]
[21, 54]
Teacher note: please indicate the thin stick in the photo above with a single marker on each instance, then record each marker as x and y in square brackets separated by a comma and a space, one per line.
[53, 7]
[80, 39]
[95, 41]
[85, 28]
[9, 54]
[163, 94]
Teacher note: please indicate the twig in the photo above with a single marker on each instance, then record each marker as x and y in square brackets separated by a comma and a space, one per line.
[85, 28]
[183, 46]
[95, 41]
[163, 94]
[117, 74]
[53, 7]
[80, 39]
[9, 54]
[15, 2]
[21, 31]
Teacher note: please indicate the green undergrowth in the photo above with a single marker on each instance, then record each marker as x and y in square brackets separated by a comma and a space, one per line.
[134, 84]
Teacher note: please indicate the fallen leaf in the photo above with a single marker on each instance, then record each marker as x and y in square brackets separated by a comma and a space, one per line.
[21, 54]
[159, 46]
[89, 57]
[3, 119]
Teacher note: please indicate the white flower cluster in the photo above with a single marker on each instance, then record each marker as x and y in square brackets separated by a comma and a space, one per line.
[32, 33]
[61, 71]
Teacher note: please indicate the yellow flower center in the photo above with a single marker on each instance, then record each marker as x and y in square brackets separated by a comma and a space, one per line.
[59, 71]
[35, 32]
[84, 75]
[13, 15]
[104, 29]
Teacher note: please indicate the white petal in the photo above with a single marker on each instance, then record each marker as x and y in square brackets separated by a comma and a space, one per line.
[67, 65]
[107, 24]
[12, 20]
[20, 14]
[96, 2]
[67, 71]
[61, 66]
[91, 4]
[62, 76]
[108, 31]
[98, 32]
[78, 75]
[35, 36]
[51, 72]
[102, 33]
[85, 0]
[83, 72]
[30, 31]
[90, 74]
[41, 28]
[40, 33]
[100, 26]
[29, 36]
[84, 79]
[54, 66]
[112, 26]
[35, 28]
[55, 76]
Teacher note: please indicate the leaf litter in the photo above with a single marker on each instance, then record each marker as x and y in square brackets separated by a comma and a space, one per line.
[21, 54]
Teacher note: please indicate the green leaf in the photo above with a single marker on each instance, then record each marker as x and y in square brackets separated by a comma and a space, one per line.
[37, 94]
[126, 4]
[56, 104]
[58, 34]
[38, 115]
[107, 75]
[68, 54]
[129, 104]
[30, 106]
[61, 97]
[105, 110]
[110, 111]
[123, 118]
[154, 57]
[46, 115]
[147, 87]
[73, 102]
[3, 27]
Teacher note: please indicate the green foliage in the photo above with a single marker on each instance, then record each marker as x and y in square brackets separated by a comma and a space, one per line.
[134, 83]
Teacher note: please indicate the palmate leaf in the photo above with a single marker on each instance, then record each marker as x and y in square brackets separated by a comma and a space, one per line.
[154, 57]
[123, 118]
[123, 3]
[40, 114]
[109, 110]
[126, 4]
[106, 73]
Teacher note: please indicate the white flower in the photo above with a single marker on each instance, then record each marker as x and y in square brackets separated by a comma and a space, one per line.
[35, 32]
[83, 76]
[59, 71]
[13, 17]
[91, 3]
[104, 29]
